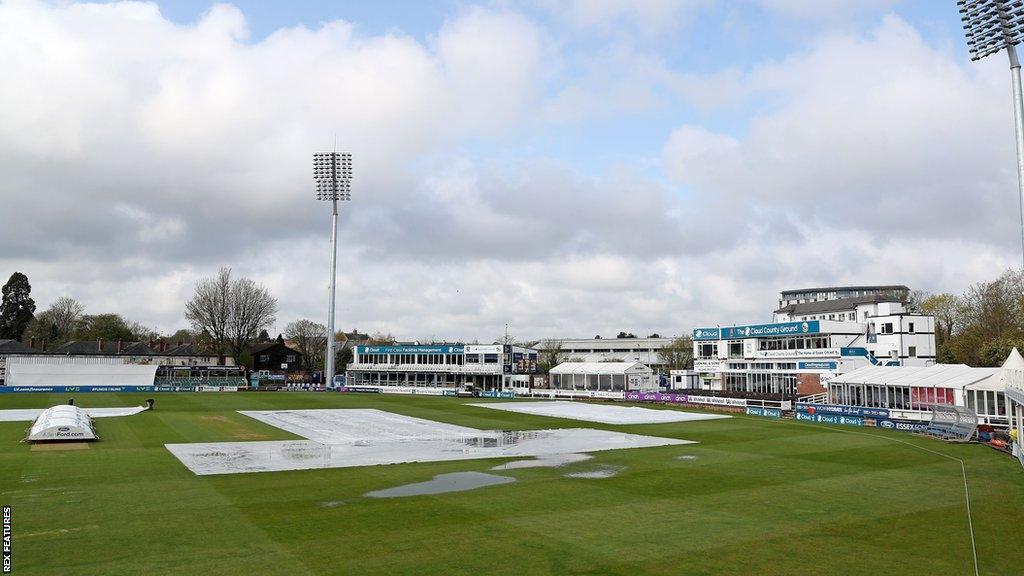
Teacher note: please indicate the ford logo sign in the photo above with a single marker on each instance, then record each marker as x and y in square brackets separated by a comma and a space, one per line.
[63, 429]
[887, 424]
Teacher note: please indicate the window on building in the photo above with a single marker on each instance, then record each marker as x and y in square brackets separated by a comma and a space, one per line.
[289, 358]
[887, 328]
[910, 327]
[735, 349]
[912, 351]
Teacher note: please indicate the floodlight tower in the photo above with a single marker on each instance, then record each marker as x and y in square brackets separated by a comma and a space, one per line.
[990, 26]
[332, 172]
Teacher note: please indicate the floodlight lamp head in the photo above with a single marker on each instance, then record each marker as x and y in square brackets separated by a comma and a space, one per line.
[991, 25]
[332, 172]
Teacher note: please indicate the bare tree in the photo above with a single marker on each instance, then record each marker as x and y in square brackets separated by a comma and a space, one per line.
[551, 355]
[252, 309]
[232, 312]
[58, 322]
[678, 354]
[64, 313]
[210, 308]
[381, 338]
[310, 338]
[141, 332]
[915, 299]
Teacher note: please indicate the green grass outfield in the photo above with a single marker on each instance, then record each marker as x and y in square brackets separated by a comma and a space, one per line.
[763, 497]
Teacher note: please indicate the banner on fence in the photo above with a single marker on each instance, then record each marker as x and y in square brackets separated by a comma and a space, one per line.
[766, 412]
[369, 389]
[635, 396]
[30, 389]
[423, 391]
[497, 394]
[830, 419]
[841, 410]
[901, 425]
[716, 400]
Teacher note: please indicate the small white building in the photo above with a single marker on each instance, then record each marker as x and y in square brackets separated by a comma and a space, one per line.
[62, 423]
[644, 350]
[684, 380]
[485, 367]
[603, 376]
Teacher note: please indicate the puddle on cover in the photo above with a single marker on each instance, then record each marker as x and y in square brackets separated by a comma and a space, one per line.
[454, 482]
[597, 473]
[686, 457]
[551, 461]
[332, 503]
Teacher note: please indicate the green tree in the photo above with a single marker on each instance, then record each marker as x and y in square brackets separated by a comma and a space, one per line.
[994, 352]
[982, 325]
[343, 359]
[183, 335]
[17, 307]
[946, 309]
[103, 327]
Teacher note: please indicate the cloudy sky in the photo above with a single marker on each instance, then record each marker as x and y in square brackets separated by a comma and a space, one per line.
[570, 168]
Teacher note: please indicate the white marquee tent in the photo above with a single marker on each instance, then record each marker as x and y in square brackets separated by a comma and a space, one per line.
[611, 376]
[917, 388]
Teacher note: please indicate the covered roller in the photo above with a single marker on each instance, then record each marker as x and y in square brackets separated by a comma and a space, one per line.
[64, 422]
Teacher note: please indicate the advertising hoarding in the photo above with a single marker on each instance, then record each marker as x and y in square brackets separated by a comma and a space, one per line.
[830, 419]
[842, 410]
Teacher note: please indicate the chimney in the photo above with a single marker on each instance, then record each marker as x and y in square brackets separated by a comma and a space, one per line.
[32, 342]
[44, 344]
[99, 345]
[120, 346]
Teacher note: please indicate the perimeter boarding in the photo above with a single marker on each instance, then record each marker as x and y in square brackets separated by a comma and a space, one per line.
[950, 423]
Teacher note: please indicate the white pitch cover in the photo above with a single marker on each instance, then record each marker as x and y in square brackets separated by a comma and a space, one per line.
[63, 422]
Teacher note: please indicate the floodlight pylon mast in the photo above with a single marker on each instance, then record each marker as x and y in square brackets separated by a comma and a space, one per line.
[990, 26]
[1018, 126]
[332, 172]
[329, 358]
